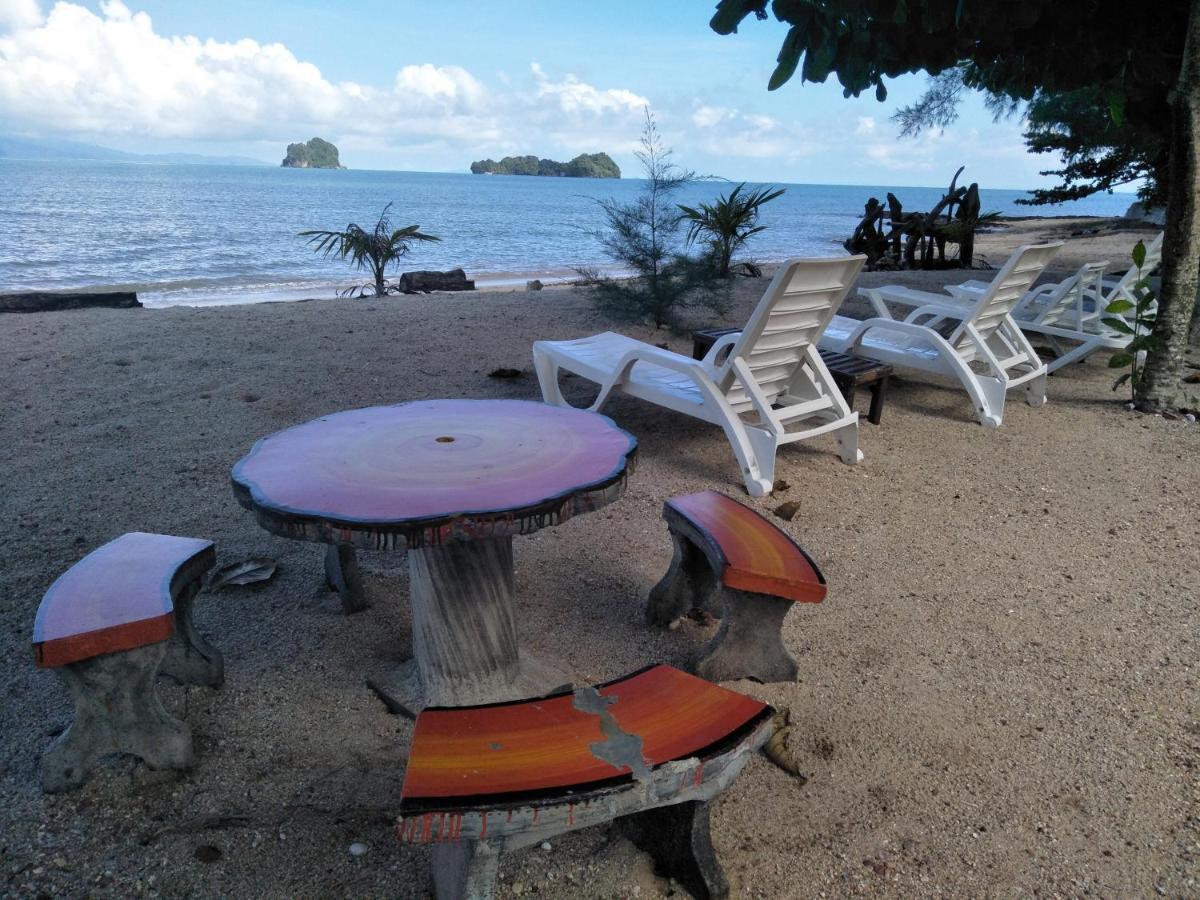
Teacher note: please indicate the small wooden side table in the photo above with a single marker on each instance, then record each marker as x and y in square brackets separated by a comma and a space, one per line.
[849, 371]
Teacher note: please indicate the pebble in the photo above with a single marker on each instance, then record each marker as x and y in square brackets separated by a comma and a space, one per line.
[545, 845]
[518, 889]
[1189, 418]
[357, 849]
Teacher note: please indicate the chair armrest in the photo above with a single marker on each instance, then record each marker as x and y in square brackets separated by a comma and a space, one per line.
[667, 359]
[939, 311]
[725, 340]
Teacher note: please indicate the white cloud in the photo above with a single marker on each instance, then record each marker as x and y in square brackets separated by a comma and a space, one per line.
[573, 96]
[110, 74]
[710, 116]
[730, 132]
[866, 125]
[16, 14]
[449, 85]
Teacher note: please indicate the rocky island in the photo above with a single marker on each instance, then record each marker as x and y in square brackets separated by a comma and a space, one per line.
[585, 165]
[316, 154]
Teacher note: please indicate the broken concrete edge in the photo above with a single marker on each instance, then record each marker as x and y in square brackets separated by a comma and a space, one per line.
[46, 301]
[513, 827]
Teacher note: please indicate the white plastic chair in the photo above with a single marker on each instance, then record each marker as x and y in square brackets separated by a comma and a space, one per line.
[756, 384]
[956, 338]
[1069, 310]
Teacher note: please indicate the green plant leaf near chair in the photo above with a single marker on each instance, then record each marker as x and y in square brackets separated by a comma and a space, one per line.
[1140, 327]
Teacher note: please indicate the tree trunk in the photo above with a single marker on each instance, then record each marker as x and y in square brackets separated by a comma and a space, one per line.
[1161, 386]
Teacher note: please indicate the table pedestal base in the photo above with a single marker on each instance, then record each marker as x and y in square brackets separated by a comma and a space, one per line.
[403, 694]
[464, 632]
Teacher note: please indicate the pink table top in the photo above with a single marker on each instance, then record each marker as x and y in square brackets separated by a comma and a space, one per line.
[433, 470]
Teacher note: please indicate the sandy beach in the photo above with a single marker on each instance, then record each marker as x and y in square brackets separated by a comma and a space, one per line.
[997, 699]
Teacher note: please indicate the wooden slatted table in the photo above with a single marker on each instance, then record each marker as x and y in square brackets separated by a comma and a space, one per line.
[450, 482]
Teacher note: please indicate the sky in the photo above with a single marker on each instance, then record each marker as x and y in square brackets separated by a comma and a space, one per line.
[433, 86]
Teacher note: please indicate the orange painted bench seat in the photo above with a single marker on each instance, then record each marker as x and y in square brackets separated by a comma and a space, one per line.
[108, 627]
[647, 751]
[731, 562]
[118, 597]
[514, 752]
[753, 554]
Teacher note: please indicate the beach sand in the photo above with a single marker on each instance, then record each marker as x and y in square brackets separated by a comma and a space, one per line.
[997, 699]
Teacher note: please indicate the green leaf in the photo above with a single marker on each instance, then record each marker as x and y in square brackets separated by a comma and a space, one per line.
[1119, 305]
[1116, 109]
[1120, 381]
[789, 58]
[1117, 324]
[729, 15]
[1139, 249]
[1120, 360]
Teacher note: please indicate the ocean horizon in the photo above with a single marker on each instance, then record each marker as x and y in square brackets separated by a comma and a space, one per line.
[202, 235]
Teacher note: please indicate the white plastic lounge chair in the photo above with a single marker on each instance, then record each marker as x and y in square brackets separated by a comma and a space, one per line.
[755, 384]
[1107, 289]
[977, 336]
[1071, 310]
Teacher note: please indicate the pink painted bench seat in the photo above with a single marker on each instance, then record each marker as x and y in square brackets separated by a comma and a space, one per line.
[118, 597]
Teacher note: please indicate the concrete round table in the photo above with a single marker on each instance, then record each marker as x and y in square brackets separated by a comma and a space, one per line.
[450, 482]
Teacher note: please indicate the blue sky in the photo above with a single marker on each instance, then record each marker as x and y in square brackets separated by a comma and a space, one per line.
[432, 86]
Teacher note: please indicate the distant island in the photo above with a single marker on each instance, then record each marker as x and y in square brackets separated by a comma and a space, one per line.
[585, 165]
[12, 147]
[316, 154]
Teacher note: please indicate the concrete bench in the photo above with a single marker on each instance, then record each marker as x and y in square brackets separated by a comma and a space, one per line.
[109, 625]
[649, 751]
[733, 563]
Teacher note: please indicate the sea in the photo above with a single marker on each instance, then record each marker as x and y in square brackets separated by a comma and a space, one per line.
[202, 235]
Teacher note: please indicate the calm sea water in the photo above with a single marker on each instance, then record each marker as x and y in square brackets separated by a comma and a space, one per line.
[200, 235]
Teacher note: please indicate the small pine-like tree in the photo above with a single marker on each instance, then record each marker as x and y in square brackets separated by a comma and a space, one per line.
[643, 236]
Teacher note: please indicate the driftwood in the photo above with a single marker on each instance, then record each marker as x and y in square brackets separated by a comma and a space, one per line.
[44, 301]
[424, 282]
[918, 240]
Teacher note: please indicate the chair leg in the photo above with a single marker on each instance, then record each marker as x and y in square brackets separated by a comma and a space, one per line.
[878, 396]
[677, 838]
[988, 395]
[1075, 354]
[465, 870]
[547, 376]
[847, 441]
[117, 710]
[689, 583]
[749, 643]
[342, 575]
[190, 658]
[1035, 390]
[754, 449]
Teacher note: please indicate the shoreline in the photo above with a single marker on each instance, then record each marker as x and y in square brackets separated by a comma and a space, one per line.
[298, 290]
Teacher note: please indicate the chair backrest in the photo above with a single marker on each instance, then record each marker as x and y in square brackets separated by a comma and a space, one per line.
[1129, 279]
[1005, 292]
[1069, 296]
[800, 301]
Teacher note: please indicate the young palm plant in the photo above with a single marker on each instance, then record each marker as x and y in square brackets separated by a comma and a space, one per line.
[726, 225]
[374, 250]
